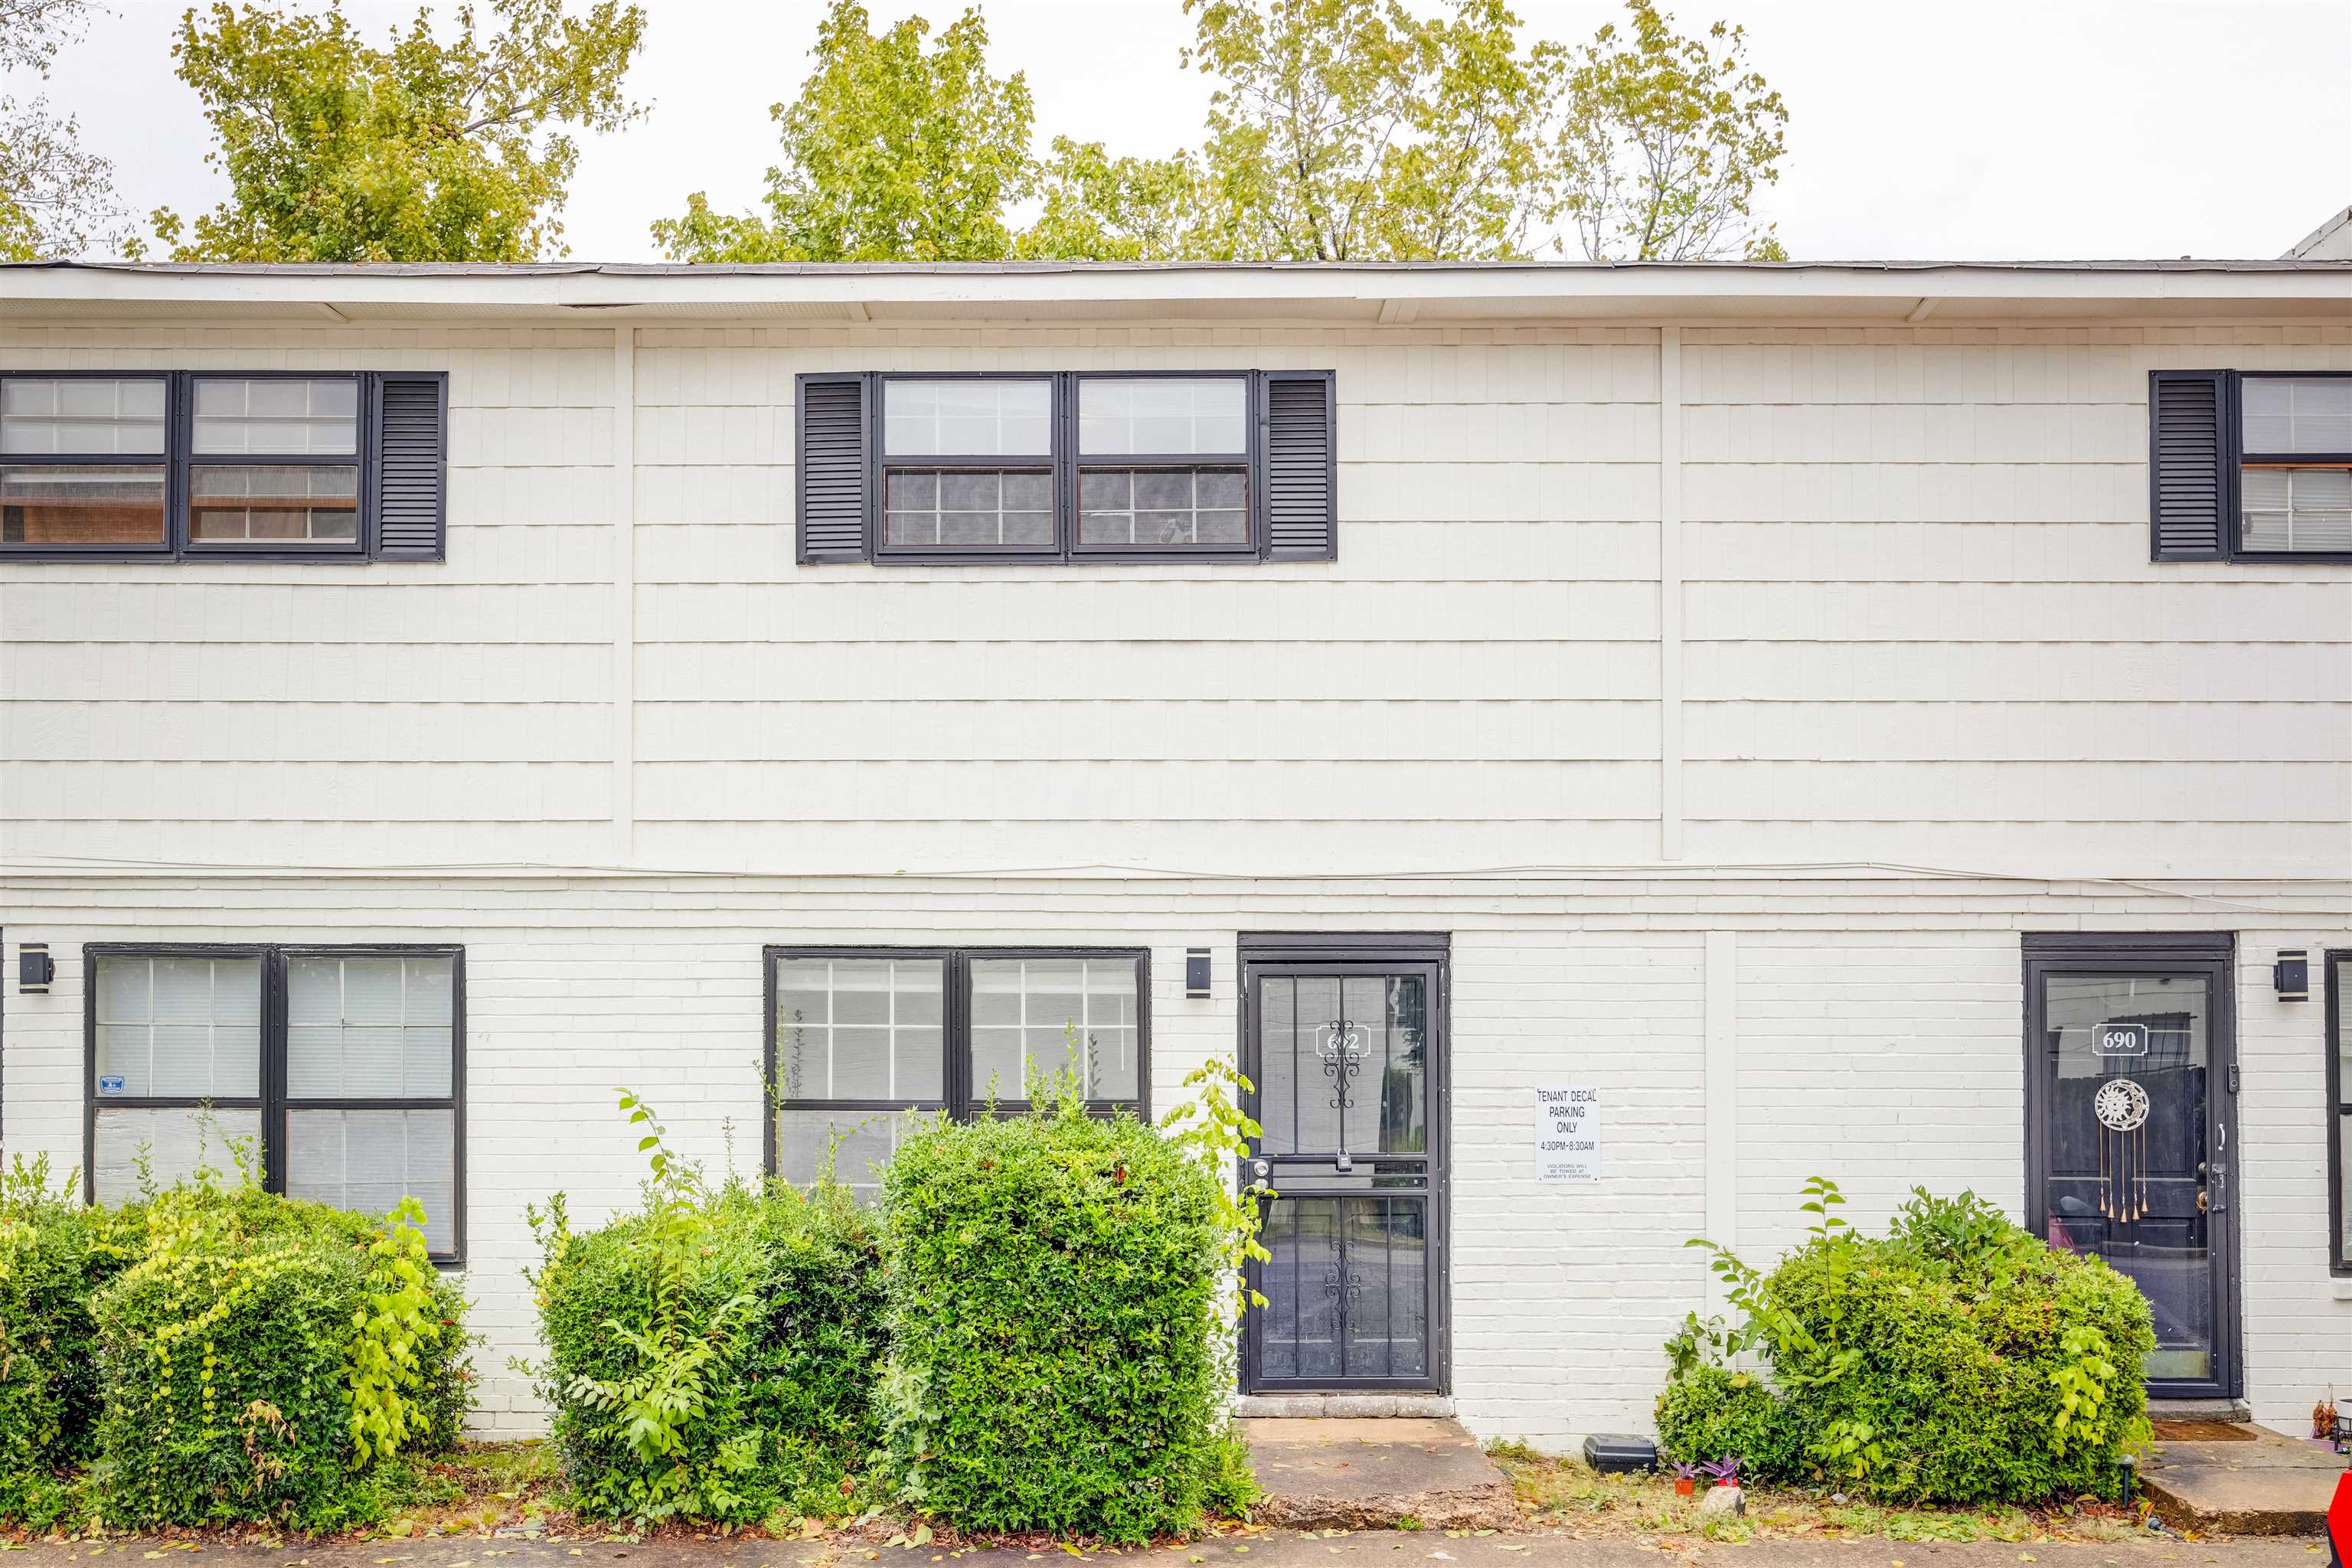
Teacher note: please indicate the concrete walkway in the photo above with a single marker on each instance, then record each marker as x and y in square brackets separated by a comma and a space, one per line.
[1365, 1550]
[2261, 1484]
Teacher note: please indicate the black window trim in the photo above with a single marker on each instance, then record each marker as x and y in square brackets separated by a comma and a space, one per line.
[363, 428]
[273, 1101]
[881, 464]
[178, 461]
[961, 1100]
[2235, 458]
[1064, 463]
[2337, 962]
[168, 461]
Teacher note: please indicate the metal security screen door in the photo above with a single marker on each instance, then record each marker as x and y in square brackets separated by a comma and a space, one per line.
[2129, 1079]
[1346, 1050]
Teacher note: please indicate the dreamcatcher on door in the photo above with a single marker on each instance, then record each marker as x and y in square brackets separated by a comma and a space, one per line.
[2121, 1106]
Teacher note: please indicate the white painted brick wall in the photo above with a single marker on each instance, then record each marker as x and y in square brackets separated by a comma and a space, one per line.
[1880, 1055]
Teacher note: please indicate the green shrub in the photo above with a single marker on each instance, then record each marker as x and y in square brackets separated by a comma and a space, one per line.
[268, 1358]
[1055, 1283]
[713, 1355]
[53, 1255]
[1713, 1412]
[1955, 1360]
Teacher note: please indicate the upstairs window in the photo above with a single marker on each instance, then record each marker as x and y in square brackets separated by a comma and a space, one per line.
[306, 466]
[2251, 465]
[1044, 467]
[83, 462]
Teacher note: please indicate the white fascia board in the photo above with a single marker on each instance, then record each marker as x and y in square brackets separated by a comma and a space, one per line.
[1273, 291]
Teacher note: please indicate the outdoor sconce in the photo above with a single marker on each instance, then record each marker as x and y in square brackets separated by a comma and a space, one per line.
[1196, 972]
[34, 969]
[2290, 975]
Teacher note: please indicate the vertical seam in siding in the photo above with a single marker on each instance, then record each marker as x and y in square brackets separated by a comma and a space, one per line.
[625, 593]
[1721, 1189]
[1670, 593]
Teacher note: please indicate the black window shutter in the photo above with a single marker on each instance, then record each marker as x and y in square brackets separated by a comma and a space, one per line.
[1302, 504]
[831, 485]
[410, 457]
[2191, 478]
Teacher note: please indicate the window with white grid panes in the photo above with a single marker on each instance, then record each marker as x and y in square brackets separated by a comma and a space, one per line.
[859, 1038]
[336, 1073]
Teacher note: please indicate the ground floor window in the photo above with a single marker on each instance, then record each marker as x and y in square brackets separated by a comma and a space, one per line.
[857, 1037]
[338, 1070]
[2339, 1107]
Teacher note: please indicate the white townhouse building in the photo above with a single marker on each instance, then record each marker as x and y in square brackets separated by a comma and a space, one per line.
[1603, 743]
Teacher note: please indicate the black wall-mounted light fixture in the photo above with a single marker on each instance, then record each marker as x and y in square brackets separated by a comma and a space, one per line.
[2290, 975]
[1196, 972]
[34, 969]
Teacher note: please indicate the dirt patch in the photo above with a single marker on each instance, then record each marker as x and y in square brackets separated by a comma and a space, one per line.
[1564, 1496]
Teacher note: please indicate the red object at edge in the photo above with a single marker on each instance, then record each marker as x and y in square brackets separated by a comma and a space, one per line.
[2340, 1523]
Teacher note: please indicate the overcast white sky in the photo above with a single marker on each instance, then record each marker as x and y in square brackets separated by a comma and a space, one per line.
[1958, 129]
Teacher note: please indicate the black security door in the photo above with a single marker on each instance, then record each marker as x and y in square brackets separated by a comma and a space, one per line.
[2130, 1076]
[1345, 1046]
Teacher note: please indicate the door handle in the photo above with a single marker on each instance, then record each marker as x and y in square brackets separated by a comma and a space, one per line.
[2203, 1204]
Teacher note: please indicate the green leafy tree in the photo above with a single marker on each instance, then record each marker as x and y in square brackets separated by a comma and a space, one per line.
[891, 152]
[420, 151]
[1353, 130]
[54, 196]
[1101, 208]
[1664, 142]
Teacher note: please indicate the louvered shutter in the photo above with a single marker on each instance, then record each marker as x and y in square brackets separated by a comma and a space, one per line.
[831, 485]
[2191, 478]
[409, 456]
[1301, 469]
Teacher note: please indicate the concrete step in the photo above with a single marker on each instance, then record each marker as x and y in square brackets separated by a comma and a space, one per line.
[2199, 1410]
[2257, 1483]
[1341, 1407]
[1375, 1474]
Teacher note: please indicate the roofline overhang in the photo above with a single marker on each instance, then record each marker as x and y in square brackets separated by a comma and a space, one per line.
[1389, 293]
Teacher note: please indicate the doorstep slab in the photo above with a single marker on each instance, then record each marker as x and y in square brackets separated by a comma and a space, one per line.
[1375, 1474]
[2262, 1483]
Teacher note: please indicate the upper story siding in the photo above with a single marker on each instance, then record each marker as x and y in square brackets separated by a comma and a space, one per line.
[1905, 615]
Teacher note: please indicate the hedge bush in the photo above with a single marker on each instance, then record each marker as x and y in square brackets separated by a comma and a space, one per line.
[206, 1354]
[54, 1254]
[1955, 1360]
[712, 1355]
[1055, 1283]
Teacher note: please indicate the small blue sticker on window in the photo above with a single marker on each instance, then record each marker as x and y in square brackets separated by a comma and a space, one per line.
[111, 1083]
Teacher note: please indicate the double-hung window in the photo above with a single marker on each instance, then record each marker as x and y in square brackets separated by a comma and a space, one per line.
[1060, 466]
[860, 1037]
[185, 465]
[338, 1071]
[2339, 1108]
[2251, 465]
[84, 463]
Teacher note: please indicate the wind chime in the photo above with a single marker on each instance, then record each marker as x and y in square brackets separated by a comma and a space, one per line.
[2122, 1106]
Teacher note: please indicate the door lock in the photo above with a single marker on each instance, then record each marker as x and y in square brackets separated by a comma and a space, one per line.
[1261, 1169]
